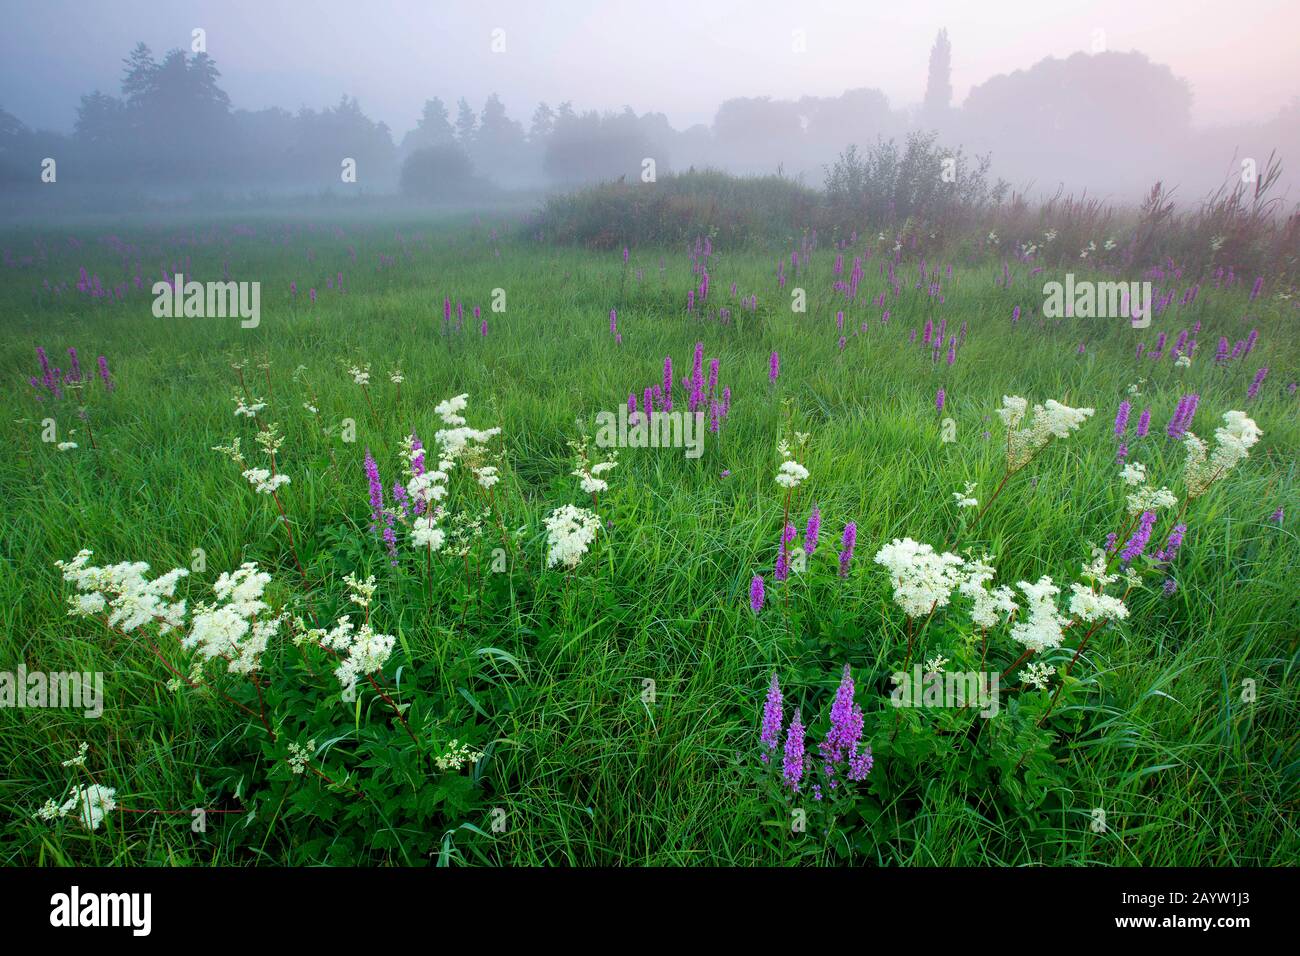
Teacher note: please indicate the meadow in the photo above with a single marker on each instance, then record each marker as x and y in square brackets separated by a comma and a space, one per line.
[600, 690]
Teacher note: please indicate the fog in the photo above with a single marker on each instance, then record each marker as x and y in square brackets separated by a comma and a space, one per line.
[485, 103]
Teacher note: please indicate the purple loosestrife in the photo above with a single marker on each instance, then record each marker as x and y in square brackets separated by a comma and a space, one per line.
[1170, 550]
[1170, 587]
[845, 732]
[74, 367]
[939, 398]
[1276, 516]
[847, 541]
[792, 759]
[1144, 422]
[1253, 389]
[782, 569]
[1221, 354]
[773, 367]
[773, 718]
[756, 594]
[1121, 418]
[1136, 545]
[812, 531]
[1182, 416]
[376, 488]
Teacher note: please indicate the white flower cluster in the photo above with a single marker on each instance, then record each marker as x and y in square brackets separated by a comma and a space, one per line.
[987, 607]
[1049, 420]
[247, 409]
[92, 804]
[1037, 674]
[361, 651]
[360, 374]
[263, 482]
[1043, 629]
[587, 473]
[965, 498]
[300, 756]
[123, 590]
[1147, 498]
[923, 579]
[791, 474]
[457, 444]
[569, 533]
[1233, 441]
[230, 628]
[458, 755]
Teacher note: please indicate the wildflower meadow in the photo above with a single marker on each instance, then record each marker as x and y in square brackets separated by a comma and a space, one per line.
[471, 545]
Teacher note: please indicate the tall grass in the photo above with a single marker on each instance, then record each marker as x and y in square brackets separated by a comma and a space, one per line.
[587, 770]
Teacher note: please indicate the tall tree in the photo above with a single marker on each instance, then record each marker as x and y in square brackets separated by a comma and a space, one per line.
[466, 122]
[543, 123]
[938, 87]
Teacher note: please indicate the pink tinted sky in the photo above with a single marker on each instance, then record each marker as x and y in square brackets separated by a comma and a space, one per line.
[680, 58]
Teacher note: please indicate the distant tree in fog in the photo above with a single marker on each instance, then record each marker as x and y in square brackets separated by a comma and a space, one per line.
[938, 85]
[433, 128]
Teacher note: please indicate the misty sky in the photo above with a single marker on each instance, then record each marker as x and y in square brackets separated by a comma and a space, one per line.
[679, 58]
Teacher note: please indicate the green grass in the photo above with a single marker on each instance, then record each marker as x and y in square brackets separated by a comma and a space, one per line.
[588, 772]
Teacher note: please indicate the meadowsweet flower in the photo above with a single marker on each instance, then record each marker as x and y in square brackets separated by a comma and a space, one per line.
[299, 756]
[1233, 441]
[791, 474]
[80, 759]
[964, 498]
[923, 579]
[263, 482]
[250, 410]
[1037, 674]
[1049, 420]
[360, 374]
[91, 804]
[132, 600]
[1147, 498]
[1089, 605]
[1042, 628]
[458, 756]
[570, 532]
[988, 607]
[1134, 473]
